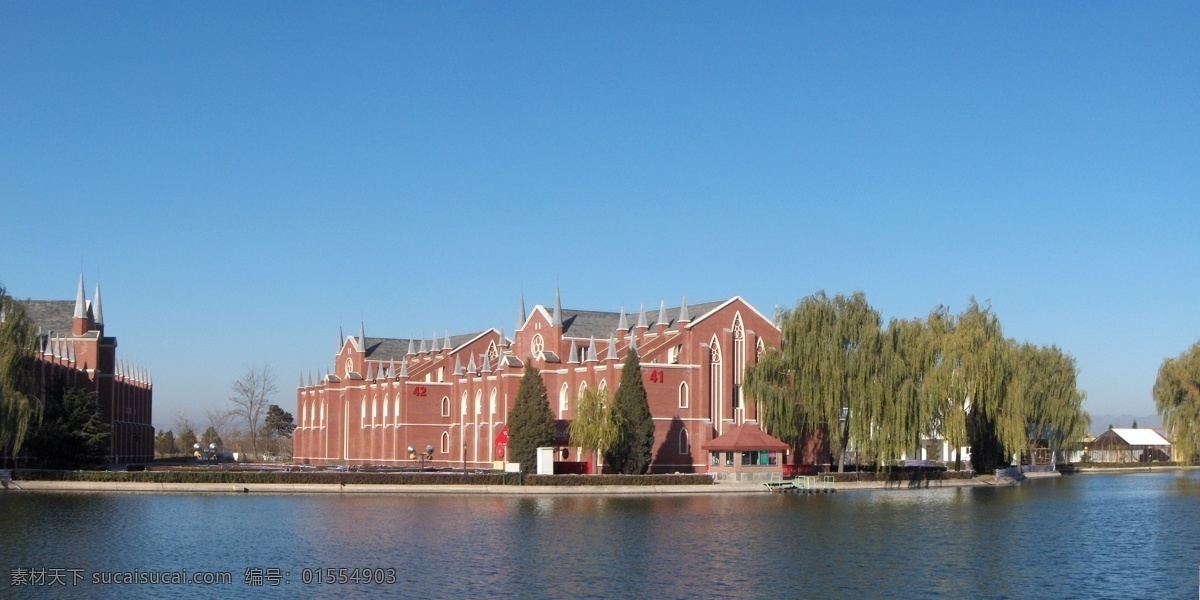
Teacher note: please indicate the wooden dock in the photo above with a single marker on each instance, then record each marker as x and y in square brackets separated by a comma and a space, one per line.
[802, 484]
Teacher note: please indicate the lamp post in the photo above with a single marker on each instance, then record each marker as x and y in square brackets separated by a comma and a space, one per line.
[424, 456]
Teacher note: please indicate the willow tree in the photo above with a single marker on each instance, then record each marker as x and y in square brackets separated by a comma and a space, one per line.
[20, 409]
[979, 361]
[911, 351]
[1043, 390]
[595, 427]
[1177, 397]
[769, 382]
[832, 350]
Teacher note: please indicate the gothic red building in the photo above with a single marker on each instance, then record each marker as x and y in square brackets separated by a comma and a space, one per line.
[453, 392]
[74, 350]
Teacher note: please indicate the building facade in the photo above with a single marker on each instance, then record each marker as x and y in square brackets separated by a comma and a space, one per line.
[453, 393]
[74, 350]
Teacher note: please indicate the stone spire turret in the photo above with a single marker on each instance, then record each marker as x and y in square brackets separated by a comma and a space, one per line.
[556, 317]
[471, 368]
[661, 322]
[410, 348]
[97, 311]
[521, 313]
[458, 368]
[446, 346]
[684, 317]
[591, 353]
[622, 323]
[612, 348]
[436, 343]
[80, 302]
[642, 318]
[573, 355]
[362, 337]
[404, 368]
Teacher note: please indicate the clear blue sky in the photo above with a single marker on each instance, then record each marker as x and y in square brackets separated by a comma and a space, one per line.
[243, 177]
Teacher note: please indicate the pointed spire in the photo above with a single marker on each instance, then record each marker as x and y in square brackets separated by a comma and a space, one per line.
[410, 348]
[362, 337]
[404, 368]
[662, 313]
[370, 371]
[471, 369]
[521, 312]
[436, 342]
[642, 319]
[392, 369]
[503, 340]
[778, 317]
[71, 353]
[612, 348]
[301, 383]
[683, 312]
[633, 342]
[487, 363]
[573, 357]
[446, 344]
[622, 324]
[97, 312]
[341, 339]
[458, 370]
[591, 351]
[423, 349]
[80, 302]
[46, 342]
[556, 318]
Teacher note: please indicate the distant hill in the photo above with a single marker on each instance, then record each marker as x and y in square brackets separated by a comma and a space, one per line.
[1100, 423]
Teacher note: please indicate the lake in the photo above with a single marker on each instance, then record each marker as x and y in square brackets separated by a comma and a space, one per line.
[1113, 536]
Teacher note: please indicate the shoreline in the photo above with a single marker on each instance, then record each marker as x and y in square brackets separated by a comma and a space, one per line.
[532, 490]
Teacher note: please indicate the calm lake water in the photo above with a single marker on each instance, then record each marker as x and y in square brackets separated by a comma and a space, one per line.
[1097, 536]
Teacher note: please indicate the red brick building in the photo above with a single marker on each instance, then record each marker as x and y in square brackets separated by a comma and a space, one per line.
[454, 392]
[73, 349]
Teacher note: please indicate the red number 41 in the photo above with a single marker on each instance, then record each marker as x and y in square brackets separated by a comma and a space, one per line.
[657, 376]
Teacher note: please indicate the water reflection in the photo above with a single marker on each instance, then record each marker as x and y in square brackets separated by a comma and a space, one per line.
[1108, 536]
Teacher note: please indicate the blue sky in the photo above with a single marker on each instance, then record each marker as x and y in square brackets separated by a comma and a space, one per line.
[244, 177]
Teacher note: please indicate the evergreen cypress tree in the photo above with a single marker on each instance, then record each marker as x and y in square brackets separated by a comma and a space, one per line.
[633, 449]
[71, 434]
[530, 422]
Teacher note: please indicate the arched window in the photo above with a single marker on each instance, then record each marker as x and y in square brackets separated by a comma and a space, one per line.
[445, 406]
[683, 395]
[385, 407]
[446, 441]
[537, 345]
[759, 348]
[563, 402]
[603, 385]
[396, 407]
[492, 401]
[349, 367]
[478, 402]
[363, 416]
[714, 386]
[323, 403]
[304, 413]
[374, 408]
[582, 388]
[464, 402]
[685, 446]
[492, 354]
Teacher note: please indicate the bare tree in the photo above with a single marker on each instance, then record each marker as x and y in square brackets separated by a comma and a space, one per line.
[251, 394]
[218, 420]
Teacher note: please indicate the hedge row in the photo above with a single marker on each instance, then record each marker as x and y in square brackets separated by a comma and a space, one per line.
[222, 476]
[432, 478]
[901, 476]
[567, 480]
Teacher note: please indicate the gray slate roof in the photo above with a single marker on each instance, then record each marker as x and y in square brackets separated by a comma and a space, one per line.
[51, 315]
[397, 348]
[587, 323]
